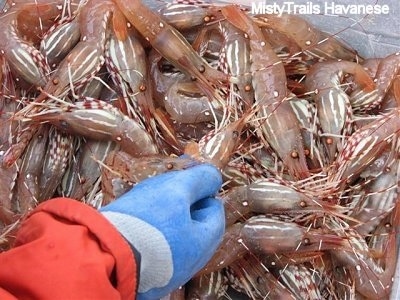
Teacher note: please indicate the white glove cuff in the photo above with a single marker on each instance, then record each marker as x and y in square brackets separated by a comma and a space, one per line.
[156, 265]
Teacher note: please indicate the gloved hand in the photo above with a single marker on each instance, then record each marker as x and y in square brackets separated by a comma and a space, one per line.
[175, 224]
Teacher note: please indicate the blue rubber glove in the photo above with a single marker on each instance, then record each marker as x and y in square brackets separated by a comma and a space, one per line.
[175, 224]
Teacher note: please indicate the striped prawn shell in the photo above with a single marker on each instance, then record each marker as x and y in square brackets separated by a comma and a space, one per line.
[14, 152]
[59, 40]
[335, 115]
[173, 46]
[218, 146]
[183, 16]
[8, 178]
[300, 281]
[57, 158]
[77, 69]
[87, 57]
[278, 122]
[381, 196]
[365, 145]
[387, 70]
[362, 101]
[84, 168]
[333, 104]
[267, 235]
[210, 286]
[25, 60]
[369, 277]
[241, 173]
[128, 133]
[126, 62]
[236, 49]
[96, 119]
[281, 129]
[312, 41]
[31, 169]
[91, 108]
[306, 114]
[249, 275]
[9, 174]
[382, 232]
[271, 196]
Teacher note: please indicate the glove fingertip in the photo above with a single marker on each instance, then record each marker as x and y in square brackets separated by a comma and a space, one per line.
[208, 168]
[209, 174]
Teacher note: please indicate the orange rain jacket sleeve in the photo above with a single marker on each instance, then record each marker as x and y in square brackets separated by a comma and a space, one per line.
[68, 250]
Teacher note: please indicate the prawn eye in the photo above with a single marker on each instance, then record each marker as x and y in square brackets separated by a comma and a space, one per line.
[294, 154]
[235, 134]
[169, 166]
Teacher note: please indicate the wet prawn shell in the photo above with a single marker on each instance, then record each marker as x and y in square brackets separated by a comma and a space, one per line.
[59, 41]
[268, 235]
[186, 109]
[267, 197]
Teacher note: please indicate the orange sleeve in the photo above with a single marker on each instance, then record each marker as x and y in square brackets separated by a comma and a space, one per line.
[68, 250]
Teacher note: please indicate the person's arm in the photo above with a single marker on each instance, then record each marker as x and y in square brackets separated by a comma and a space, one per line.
[68, 250]
[170, 223]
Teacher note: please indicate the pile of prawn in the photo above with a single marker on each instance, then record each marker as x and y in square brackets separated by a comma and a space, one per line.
[96, 96]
